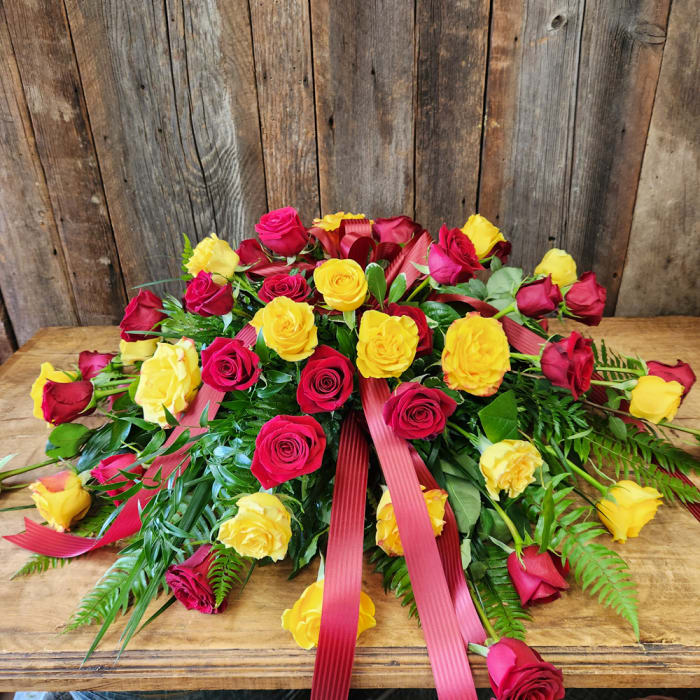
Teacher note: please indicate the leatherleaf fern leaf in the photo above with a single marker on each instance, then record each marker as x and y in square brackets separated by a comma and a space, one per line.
[395, 578]
[226, 571]
[38, 563]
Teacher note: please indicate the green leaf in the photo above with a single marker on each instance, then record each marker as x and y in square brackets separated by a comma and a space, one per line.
[398, 288]
[349, 318]
[504, 281]
[465, 501]
[131, 391]
[376, 281]
[465, 550]
[346, 344]
[261, 349]
[617, 427]
[500, 418]
[275, 377]
[543, 529]
[423, 269]
[66, 440]
[442, 314]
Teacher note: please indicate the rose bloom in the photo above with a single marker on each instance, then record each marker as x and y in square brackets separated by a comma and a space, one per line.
[483, 234]
[207, 298]
[331, 222]
[215, 256]
[287, 447]
[108, 472]
[388, 537]
[655, 399]
[143, 313]
[681, 372]
[342, 283]
[627, 508]
[170, 378]
[303, 619]
[560, 265]
[539, 579]
[64, 402]
[539, 298]
[250, 253]
[517, 672]
[137, 351]
[91, 363]
[585, 301]
[228, 365]
[397, 229]
[326, 381]
[189, 582]
[293, 287]
[261, 528]
[386, 345]
[568, 363]
[60, 499]
[417, 412]
[425, 332]
[282, 232]
[476, 355]
[288, 327]
[452, 259]
[509, 465]
[46, 373]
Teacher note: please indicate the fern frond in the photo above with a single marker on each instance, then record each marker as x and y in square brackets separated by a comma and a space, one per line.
[395, 578]
[226, 571]
[38, 563]
[187, 251]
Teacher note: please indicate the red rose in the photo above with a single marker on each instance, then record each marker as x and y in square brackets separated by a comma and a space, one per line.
[417, 412]
[585, 301]
[282, 232]
[568, 363]
[681, 372]
[250, 252]
[539, 298]
[326, 381]
[292, 286]
[286, 447]
[517, 671]
[228, 365]
[502, 250]
[91, 363]
[64, 402]
[453, 259]
[396, 229]
[538, 579]
[189, 582]
[207, 298]
[425, 332]
[107, 472]
[142, 313]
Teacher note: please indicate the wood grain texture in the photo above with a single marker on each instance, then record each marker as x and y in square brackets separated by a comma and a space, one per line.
[245, 646]
[663, 259]
[7, 336]
[364, 81]
[33, 275]
[284, 74]
[170, 90]
[451, 51]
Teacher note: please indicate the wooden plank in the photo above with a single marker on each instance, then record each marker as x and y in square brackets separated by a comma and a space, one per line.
[284, 74]
[451, 48]
[364, 79]
[621, 51]
[663, 258]
[32, 267]
[49, 73]
[7, 336]
[170, 91]
[245, 647]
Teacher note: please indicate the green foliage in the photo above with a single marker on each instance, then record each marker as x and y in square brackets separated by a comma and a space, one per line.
[395, 578]
[38, 563]
[187, 251]
[376, 282]
[226, 571]
[604, 357]
[66, 440]
[499, 418]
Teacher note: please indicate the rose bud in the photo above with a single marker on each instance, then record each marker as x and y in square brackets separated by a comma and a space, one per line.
[143, 313]
[189, 582]
[486, 237]
[453, 258]
[108, 472]
[251, 254]
[416, 412]
[517, 671]
[293, 287]
[654, 399]
[585, 301]
[681, 372]
[325, 383]
[425, 332]
[627, 508]
[46, 373]
[287, 447]
[228, 365]
[282, 232]
[539, 298]
[537, 579]
[215, 256]
[560, 265]
[91, 363]
[207, 298]
[396, 229]
[63, 403]
[568, 363]
[60, 499]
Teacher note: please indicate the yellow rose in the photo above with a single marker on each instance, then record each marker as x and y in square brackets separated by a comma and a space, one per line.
[654, 399]
[138, 350]
[632, 508]
[509, 465]
[331, 222]
[288, 328]
[170, 378]
[387, 344]
[46, 373]
[261, 528]
[215, 256]
[303, 620]
[342, 283]
[60, 499]
[476, 355]
[388, 537]
[483, 234]
[560, 265]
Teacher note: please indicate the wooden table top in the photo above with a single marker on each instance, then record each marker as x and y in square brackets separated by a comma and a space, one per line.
[245, 647]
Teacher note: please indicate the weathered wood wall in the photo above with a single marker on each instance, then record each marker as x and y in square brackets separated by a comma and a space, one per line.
[125, 124]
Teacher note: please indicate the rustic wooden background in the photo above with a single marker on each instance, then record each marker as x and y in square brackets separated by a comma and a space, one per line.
[124, 123]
